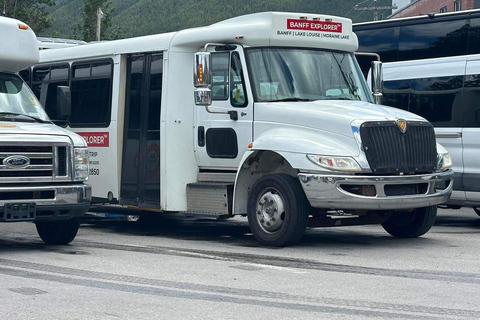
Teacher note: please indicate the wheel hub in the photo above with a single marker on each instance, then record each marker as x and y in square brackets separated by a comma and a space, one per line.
[270, 211]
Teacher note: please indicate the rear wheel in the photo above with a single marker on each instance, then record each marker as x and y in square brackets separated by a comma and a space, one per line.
[411, 224]
[58, 232]
[277, 210]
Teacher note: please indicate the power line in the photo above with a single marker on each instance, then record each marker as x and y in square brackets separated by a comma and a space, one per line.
[375, 9]
[354, 7]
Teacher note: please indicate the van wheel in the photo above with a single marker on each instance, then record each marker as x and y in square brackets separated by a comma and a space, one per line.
[477, 210]
[58, 232]
[277, 210]
[411, 224]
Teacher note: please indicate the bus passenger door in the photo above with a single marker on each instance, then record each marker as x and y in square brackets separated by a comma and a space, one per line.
[471, 130]
[140, 183]
[221, 139]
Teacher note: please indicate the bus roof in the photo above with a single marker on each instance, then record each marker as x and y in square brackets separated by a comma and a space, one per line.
[427, 17]
[259, 29]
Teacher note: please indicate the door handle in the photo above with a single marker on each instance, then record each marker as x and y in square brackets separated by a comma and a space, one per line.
[201, 136]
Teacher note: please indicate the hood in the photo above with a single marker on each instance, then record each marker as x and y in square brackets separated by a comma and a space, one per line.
[335, 116]
[35, 128]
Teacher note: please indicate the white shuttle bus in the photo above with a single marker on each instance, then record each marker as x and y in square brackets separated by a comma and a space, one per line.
[42, 167]
[264, 115]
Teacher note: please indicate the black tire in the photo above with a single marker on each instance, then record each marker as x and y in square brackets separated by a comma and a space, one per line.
[411, 224]
[477, 210]
[282, 219]
[58, 232]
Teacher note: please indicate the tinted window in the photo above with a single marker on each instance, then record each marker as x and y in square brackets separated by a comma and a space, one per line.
[46, 80]
[438, 99]
[471, 97]
[238, 96]
[474, 36]
[397, 93]
[220, 62]
[383, 41]
[25, 74]
[91, 95]
[433, 40]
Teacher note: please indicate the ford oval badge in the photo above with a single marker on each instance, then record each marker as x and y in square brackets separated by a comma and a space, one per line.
[16, 162]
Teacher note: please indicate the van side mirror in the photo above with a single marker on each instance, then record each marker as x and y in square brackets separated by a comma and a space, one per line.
[202, 79]
[64, 102]
[377, 81]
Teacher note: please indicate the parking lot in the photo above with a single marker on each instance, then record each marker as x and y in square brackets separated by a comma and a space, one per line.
[176, 267]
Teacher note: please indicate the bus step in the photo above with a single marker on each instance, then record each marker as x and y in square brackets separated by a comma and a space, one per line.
[213, 199]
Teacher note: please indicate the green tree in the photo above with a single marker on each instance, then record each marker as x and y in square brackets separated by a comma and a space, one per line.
[89, 16]
[32, 12]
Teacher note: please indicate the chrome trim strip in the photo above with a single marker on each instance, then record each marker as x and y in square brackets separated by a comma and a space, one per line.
[454, 135]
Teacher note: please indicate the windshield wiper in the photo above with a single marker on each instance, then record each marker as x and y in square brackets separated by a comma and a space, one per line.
[2, 114]
[291, 99]
[341, 98]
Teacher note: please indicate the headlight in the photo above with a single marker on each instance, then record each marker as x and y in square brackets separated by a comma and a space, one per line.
[335, 163]
[81, 164]
[444, 161]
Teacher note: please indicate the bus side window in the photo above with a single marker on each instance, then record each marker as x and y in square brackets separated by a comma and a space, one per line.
[471, 96]
[91, 88]
[45, 81]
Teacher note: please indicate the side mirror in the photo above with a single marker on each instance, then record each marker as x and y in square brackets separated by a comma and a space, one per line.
[202, 79]
[64, 103]
[377, 81]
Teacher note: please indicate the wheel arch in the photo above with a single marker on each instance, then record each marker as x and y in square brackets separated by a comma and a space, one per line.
[254, 165]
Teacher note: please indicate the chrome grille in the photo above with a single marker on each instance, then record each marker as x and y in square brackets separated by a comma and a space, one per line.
[46, 161]
[389, 151]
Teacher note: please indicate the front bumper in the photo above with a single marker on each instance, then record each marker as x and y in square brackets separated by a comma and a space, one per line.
[50, 202]
[376, 192]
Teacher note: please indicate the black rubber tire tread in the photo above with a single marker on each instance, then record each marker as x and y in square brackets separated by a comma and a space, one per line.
[477, 210]
[423, 220]
[296, 210]
[60, 232]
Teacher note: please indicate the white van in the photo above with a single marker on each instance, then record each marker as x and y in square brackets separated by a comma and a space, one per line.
[446, 91]
[43, 168]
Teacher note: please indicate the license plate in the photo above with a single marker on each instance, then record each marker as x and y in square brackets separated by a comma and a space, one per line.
[19, 211]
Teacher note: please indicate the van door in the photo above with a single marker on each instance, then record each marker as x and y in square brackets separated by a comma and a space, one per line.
[221, 139]
[140, 183]
[471, 130]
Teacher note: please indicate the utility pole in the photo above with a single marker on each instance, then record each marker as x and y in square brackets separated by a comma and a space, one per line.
[375, 9]
[99, 22]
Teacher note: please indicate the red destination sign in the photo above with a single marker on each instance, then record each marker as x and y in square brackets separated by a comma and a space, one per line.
[324, 26]
[95, 139]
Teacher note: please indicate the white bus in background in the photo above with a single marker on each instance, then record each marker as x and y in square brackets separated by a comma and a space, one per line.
[265, 115]
[432, 68]
[42, 167]
[57, 43]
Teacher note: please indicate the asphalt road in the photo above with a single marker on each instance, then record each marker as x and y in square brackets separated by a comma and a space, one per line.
[185, 268]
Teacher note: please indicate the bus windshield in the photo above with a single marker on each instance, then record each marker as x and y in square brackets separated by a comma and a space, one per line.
[18, 101]
[292, 74]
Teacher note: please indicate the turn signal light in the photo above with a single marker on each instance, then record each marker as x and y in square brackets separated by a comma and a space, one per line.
[23, 27]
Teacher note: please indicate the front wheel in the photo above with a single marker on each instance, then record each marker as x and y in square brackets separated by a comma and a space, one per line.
[411, 224]
[277, 210]
[58, 232]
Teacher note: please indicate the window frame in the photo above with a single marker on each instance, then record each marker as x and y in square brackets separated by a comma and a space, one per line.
[91, 62]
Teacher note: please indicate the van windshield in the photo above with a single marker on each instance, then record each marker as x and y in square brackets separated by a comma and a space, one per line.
[18, 101]
[292, 74]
